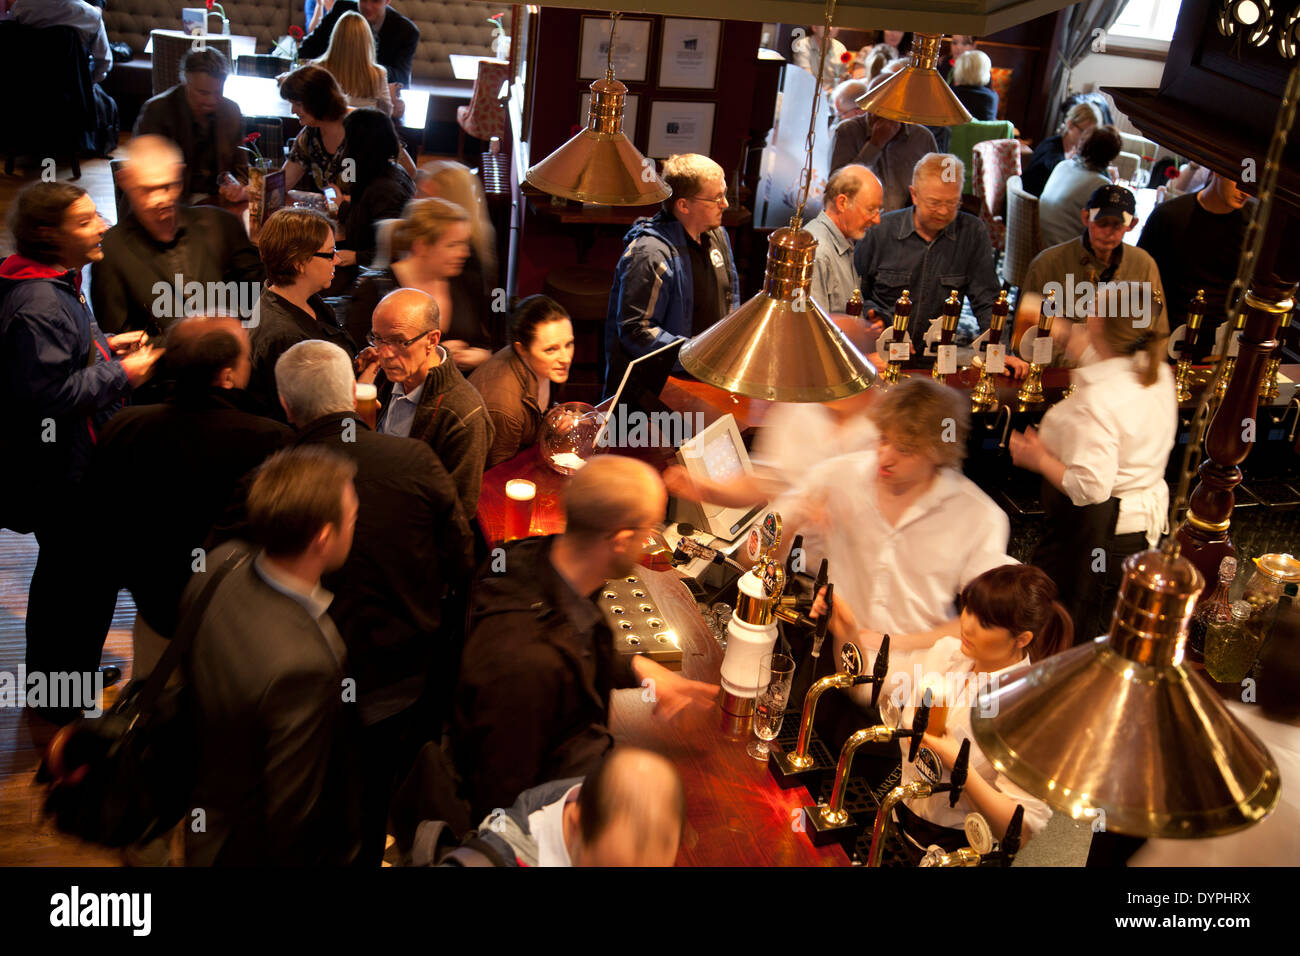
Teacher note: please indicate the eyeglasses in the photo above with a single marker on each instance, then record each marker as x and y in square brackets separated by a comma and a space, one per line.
[947, 204]
[720, 200]
[332, 254]
[378, 341]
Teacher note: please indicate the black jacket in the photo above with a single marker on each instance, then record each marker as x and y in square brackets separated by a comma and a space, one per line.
[180, 462]
[398, 38]
[453, 421]
[277, 326]
[384, 197]
[1046, 156]
[399, 599]
[532, 704]
[206, 156]
[60, 388]
[980, 101]
[134, 285]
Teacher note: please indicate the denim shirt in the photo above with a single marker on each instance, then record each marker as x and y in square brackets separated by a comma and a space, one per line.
[892, 257]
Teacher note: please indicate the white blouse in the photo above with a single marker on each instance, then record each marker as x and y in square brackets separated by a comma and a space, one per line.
[1114, 436]
[909, 672]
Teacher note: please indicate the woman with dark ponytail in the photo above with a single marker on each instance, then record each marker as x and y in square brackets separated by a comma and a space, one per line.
[1103, 453]
[1010, 618]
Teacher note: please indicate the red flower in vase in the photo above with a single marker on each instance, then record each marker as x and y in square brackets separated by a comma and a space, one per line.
[1171, 172]
[846, 57]
[252, 138]
[295, 32]
[209, 6]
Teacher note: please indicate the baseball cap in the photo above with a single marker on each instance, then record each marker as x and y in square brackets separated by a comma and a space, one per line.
[1112, 200]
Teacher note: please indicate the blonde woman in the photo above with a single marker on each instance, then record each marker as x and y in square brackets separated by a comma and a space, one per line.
[431, 252]
[351, 59]
[449, 180]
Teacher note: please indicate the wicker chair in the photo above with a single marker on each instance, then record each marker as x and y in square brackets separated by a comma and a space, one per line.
[1023, 240]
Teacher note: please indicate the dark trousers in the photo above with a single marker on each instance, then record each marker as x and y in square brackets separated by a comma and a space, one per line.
[387, 752]
[70, 601]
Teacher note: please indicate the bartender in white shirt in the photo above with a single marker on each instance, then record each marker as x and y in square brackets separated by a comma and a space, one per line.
[903, 529]
[1102, 453]
[1010, 618]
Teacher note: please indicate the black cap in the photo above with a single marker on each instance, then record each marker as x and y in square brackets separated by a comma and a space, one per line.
[1114, 201]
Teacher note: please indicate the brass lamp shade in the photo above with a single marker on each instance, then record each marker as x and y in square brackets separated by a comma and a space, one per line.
[780, 345]
[917, 93]
[600, 164]
[1121, 732]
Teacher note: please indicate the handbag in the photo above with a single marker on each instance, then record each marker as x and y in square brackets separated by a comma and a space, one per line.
[127, 776]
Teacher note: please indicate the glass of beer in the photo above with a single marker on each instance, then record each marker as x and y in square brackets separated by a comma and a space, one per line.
[938, 709]
[776, 672]
[519, 507]
[367, 403]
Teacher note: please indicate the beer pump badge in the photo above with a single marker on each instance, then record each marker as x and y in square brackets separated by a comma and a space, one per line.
[850, 659]
[763, 539]
[978, 834]
[772, 576]
[928, 765]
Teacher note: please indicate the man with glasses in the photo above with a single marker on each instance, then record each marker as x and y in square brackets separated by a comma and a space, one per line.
[539, 665]
[887, 148]
[677, 276]
[930, 249]
[850, 207]
[422, 394]
[161, 243]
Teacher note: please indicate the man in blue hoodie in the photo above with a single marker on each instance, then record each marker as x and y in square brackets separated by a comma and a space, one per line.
[677, 276]
[62, 380]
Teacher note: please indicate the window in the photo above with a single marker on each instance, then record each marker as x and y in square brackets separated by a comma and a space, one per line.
[1148, 20]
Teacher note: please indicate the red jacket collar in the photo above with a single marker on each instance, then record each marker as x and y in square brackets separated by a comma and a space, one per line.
[20, 267]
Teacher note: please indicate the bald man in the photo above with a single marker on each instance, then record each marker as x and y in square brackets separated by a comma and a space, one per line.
[161, 245]
[629, 811]
[851, 205]
[421, 392]
[539, 666]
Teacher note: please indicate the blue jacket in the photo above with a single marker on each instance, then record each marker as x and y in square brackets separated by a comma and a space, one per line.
[653, 297]
[60, 384]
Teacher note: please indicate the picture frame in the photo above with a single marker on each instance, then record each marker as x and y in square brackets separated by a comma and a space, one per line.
[680, 127]
[629, 113]
[688, 56]
[631, 49]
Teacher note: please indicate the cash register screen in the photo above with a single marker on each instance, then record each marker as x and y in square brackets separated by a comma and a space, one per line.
[716, 453]
[721, 460]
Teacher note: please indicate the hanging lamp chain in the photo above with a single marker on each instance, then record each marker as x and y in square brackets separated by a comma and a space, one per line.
[609, 53]
[805, 175]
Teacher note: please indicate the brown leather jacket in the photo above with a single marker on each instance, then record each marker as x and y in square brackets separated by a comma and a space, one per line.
[509, 390]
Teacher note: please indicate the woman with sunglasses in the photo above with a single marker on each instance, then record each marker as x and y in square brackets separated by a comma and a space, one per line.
[297, 248]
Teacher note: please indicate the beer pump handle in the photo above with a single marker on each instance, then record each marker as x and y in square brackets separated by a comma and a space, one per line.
[958, 775]
[1011, 842]
[824, 621]
[823, 573]
[880, 670]
[919, 723]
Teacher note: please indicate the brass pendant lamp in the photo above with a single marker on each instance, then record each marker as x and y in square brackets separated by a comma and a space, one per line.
[600, 164]
[781, 345]
[917, 93]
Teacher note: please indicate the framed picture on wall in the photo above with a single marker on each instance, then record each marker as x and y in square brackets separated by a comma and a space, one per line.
[629, 113]
[688, 58]
[631, 49]
[678, 127]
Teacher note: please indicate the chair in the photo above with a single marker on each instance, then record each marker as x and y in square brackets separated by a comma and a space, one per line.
[584, 293]
[485, 116]
[262, 65]
[993, 162]
[1023, 240]
[1127, 164]
[271, 142]
[50, 102]
[965, 136]
[170, 47]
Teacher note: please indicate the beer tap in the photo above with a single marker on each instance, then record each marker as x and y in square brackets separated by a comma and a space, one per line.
[917, 789]
[1036, 348]
[829, 822]
[980, 852]
[1229, 346]
[1183, 341]
[854, 305]
[945, 362]
[788, 768]
[985, 396]
[897, 339]
[1269, 387]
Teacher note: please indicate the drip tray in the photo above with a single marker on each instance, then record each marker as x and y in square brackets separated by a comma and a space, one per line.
[638, 625]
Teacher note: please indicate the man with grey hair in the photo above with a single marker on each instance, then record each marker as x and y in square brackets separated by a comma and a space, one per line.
[850, 206]
[399, 598]
[846, 97]
[423, 394]
[208, 127]
[931, 250]
[887, 148]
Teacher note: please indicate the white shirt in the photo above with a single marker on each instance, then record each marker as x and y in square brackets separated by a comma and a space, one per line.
[805, 52]
[903, 578]
[1114, 436]
[793, 430]
[1273, 842]
[945, 662]
[547, 827]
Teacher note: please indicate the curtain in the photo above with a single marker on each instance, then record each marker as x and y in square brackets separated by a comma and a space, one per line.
[1076, 32]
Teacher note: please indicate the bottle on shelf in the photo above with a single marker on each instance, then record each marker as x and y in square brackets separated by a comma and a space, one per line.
[1216, 609]
[1231, 647]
